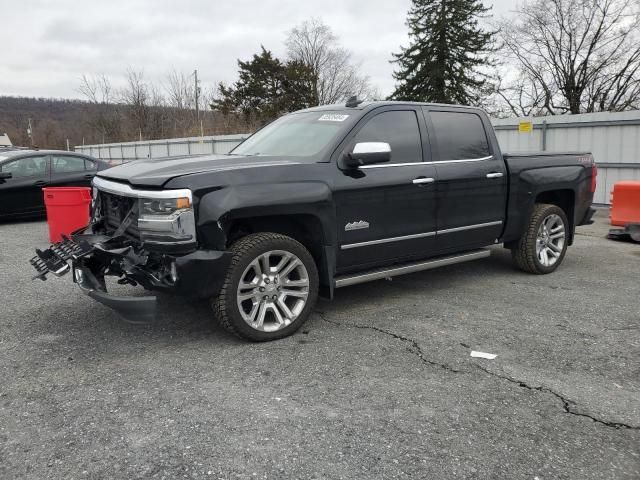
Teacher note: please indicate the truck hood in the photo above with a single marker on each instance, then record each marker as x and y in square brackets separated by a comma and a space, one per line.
[157, 172]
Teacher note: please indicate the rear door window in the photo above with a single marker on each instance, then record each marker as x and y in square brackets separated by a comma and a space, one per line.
[68, 164]
[89, 165]
[459, 135]
[398, 128]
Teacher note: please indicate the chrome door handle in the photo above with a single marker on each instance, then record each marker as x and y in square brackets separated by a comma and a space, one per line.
[494, 175]
[423, 180]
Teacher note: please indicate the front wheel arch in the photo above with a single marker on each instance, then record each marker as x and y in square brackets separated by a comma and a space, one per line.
[245, 252]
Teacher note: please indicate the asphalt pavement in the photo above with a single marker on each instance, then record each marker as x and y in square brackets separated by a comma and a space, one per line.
[378, 384]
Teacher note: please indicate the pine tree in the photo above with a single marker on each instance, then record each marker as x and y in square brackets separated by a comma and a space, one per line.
[447, 51]
[267, 87]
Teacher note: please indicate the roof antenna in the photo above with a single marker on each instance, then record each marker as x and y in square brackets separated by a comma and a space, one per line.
[353, 102]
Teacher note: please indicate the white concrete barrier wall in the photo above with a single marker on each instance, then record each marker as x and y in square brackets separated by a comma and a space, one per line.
[173, 147]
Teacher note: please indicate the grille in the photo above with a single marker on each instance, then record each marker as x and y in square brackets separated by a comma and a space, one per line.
[114, 210]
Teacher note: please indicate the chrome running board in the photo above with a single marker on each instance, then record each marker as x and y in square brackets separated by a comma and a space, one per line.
[377, 274]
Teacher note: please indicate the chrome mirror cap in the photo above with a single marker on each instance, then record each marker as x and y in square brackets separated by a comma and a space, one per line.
[366, 153]
[371, 147]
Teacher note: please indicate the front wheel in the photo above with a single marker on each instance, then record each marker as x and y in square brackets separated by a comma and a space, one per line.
[543, 244]
[270, 288]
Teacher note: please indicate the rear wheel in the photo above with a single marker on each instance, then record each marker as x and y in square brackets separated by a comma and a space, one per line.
[270, 288]
[543, 245]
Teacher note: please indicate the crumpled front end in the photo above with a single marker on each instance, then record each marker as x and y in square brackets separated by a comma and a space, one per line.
[143, 238]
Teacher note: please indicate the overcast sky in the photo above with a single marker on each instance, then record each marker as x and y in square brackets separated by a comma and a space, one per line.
[46, 46]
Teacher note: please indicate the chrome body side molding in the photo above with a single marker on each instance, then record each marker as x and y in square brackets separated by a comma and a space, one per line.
[419, 235]
[417, 164]
[470, 227]
[387, 240]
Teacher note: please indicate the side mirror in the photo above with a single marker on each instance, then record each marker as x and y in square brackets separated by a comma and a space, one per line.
[5, 175]
[367, 153]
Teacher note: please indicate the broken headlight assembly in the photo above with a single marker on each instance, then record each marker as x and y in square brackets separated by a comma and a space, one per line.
[166, 220]
[161, 216]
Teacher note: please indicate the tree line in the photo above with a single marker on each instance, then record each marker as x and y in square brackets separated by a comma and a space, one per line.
[548, 57]
[137, 111]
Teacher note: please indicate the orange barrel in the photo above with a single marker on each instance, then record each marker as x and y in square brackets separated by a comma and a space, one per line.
[67, 210]
[625, 203]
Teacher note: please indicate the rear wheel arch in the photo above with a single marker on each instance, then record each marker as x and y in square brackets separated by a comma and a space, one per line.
[546, 230]
[562, 198]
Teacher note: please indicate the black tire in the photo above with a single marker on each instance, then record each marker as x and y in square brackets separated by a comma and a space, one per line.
[524, 253]
[244, 251]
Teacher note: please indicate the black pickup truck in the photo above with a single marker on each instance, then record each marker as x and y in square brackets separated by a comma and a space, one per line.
[321, 199]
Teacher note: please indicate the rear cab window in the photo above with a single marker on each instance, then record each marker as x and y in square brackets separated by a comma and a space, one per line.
[459, 135]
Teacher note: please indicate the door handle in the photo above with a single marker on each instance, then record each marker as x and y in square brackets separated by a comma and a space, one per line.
[494, 175]
[40, 183]
[89, 175]
[423, 180]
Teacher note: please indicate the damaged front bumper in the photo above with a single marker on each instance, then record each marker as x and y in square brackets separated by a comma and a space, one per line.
[131, 309]
[92, 257]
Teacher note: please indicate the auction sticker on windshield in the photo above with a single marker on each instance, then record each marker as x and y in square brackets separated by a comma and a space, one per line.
[333, 117]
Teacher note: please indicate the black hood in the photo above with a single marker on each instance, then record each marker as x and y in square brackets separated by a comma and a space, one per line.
[157, 172]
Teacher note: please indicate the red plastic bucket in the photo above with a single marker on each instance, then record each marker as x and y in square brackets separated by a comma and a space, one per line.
[67, 210]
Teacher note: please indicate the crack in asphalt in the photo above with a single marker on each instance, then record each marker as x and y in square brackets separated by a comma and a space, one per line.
[415, 348]
[566, 403]
[417, 351]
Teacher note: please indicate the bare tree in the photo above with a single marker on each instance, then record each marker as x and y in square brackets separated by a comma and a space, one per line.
[158, 114]
[106, 120]
[336, 77]
[574, 56]
[180, 91]
[523, 97]
[145, 109]
[136, 97]
[96, 88]
[181, 99]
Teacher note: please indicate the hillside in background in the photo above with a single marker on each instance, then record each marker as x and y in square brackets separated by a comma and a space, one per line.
[56, 120]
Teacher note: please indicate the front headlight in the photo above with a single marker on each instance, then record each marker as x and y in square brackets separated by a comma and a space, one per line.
[163, 216]
[163, 206]
[166, 220]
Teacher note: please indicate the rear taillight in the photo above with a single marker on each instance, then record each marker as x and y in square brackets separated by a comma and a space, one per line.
[594, 177]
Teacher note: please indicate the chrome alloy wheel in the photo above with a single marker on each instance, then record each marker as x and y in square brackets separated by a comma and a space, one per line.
[550, 240]
[273, 291]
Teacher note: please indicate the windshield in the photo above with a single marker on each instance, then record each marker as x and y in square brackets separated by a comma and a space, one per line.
[299, 134]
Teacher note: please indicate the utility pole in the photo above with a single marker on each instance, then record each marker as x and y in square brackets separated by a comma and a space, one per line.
[30, 134]
[197, 91]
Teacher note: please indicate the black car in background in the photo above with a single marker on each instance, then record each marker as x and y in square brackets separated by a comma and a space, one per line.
[23, 174]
